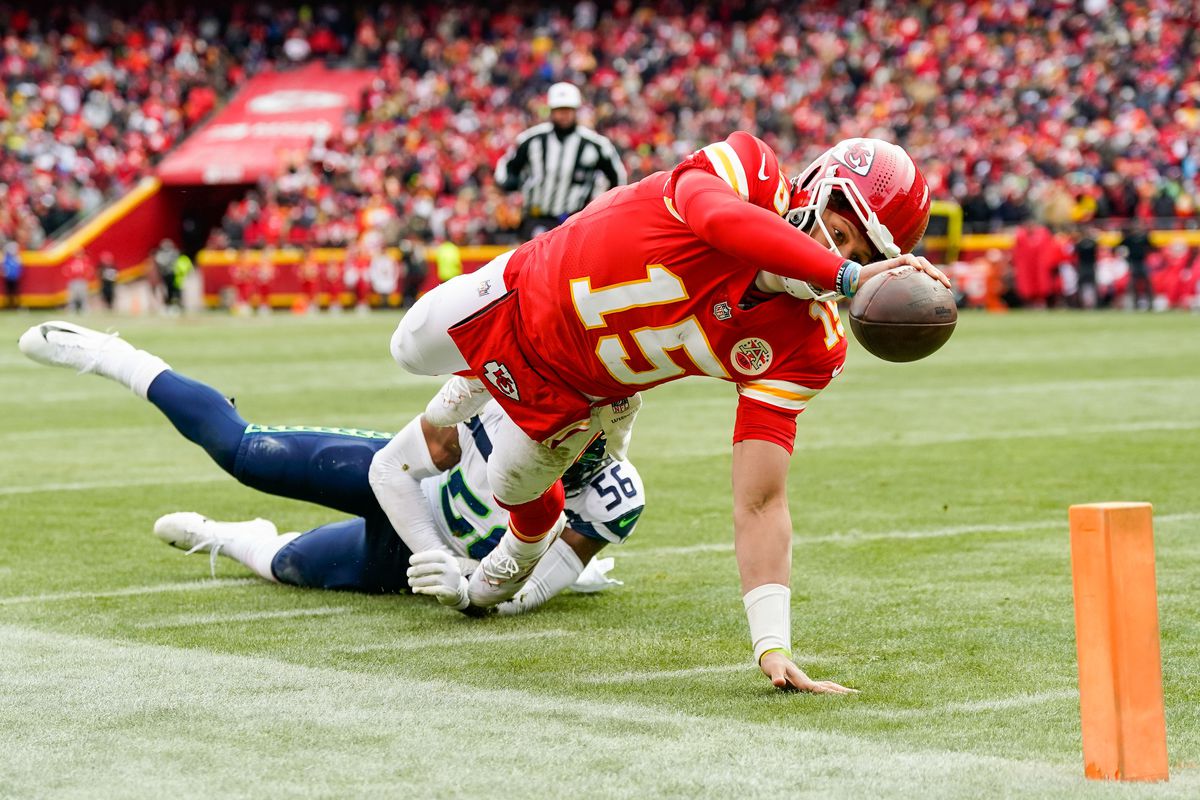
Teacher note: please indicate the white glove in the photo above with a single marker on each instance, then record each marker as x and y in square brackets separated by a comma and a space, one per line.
[437, 573]
[594, 577]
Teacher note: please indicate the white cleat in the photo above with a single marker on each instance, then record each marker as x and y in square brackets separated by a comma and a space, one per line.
[503, 572]
[65, 344]
[457, 401]
[196, 533]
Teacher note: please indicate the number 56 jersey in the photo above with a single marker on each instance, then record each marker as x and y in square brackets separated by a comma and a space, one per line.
[624, 297]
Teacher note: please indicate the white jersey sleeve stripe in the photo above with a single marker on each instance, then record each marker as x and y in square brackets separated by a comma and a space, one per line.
[728, 167]
[782, 394]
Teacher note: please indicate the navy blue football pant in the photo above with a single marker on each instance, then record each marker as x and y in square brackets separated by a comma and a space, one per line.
[326, 467]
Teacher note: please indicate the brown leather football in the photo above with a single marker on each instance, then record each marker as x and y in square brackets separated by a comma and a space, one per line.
[902, 315]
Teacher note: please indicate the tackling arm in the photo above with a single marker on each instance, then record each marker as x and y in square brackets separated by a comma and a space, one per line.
[419, 451]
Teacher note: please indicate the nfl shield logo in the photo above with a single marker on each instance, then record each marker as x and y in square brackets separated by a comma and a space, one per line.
[722, 311]
[751, 356]
[621, 406]
[502, 379]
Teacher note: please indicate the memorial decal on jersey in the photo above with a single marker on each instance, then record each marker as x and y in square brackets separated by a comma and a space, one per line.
[502, 379]
[751, 356]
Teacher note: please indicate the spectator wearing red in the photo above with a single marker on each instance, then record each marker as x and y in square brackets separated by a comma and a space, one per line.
[1033, 248]
[333, 283]
[79, 272]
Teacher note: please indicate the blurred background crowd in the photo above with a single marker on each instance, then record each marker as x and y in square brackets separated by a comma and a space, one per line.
[1061, 114]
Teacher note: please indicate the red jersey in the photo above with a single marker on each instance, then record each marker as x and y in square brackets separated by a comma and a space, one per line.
[626, 295]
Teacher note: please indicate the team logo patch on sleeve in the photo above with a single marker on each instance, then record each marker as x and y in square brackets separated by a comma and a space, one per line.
[502, 379]
[751, 356]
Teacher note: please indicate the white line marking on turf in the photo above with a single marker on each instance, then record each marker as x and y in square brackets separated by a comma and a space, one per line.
[64, 682]
[853, 537]
[1019, 701]
[921, 439]
[667, 674]
[422, 643]
[974, 706]
[84, 486]
[1078, 430]
[131, 591]
[247, 616]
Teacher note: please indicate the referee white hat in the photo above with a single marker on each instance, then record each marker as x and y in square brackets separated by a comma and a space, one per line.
[564, 95]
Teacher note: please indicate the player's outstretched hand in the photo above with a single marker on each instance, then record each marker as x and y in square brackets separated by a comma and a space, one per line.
[907, 260]
[437, 573]
[790, 678]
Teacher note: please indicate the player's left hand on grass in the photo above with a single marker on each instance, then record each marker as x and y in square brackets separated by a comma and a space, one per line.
[437, 573]
[784, 673]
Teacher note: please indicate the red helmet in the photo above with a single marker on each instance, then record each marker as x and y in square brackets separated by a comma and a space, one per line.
[879, 183]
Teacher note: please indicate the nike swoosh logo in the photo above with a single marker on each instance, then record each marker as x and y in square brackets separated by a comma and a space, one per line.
[762, 168]
[625, 523]
[836, 371]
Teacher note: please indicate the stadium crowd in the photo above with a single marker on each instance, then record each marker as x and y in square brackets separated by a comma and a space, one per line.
[974, 90]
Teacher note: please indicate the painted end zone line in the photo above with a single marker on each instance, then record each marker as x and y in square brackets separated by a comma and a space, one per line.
[248, 616]
[132, 591]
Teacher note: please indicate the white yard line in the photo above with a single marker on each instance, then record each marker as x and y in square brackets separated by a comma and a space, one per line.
[919, 439]
[669, 674]
[853, 537]
[348, 728]
[441, 642]
[923, 438]
[187, 620]
[131, 591]
[86, 486]
[973, 706]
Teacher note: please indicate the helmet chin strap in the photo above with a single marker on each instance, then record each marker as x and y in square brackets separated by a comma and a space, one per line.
[803, 290]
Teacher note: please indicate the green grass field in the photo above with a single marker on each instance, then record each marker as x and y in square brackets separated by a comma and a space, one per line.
[931, 571]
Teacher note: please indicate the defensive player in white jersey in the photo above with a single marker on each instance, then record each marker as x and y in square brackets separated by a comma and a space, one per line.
[444, 508]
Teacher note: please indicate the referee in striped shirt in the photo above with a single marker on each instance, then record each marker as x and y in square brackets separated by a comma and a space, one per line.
[559, 165]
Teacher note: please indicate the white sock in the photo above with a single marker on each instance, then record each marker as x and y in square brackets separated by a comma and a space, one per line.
[143, 369]
[136, 369]
[257, 552]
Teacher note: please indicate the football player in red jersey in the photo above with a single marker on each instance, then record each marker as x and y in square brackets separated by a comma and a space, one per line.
[692, 272]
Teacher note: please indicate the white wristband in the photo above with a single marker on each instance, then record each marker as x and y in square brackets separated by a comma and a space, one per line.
[768, 608]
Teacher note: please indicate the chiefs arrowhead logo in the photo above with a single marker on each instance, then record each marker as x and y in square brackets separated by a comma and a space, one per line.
[751, 356]
[857, 154]
[499, 376]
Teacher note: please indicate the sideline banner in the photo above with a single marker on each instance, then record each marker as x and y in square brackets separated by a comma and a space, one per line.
[273, 114]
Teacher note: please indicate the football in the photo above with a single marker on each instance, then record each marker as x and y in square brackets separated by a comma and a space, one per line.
[902, 315]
